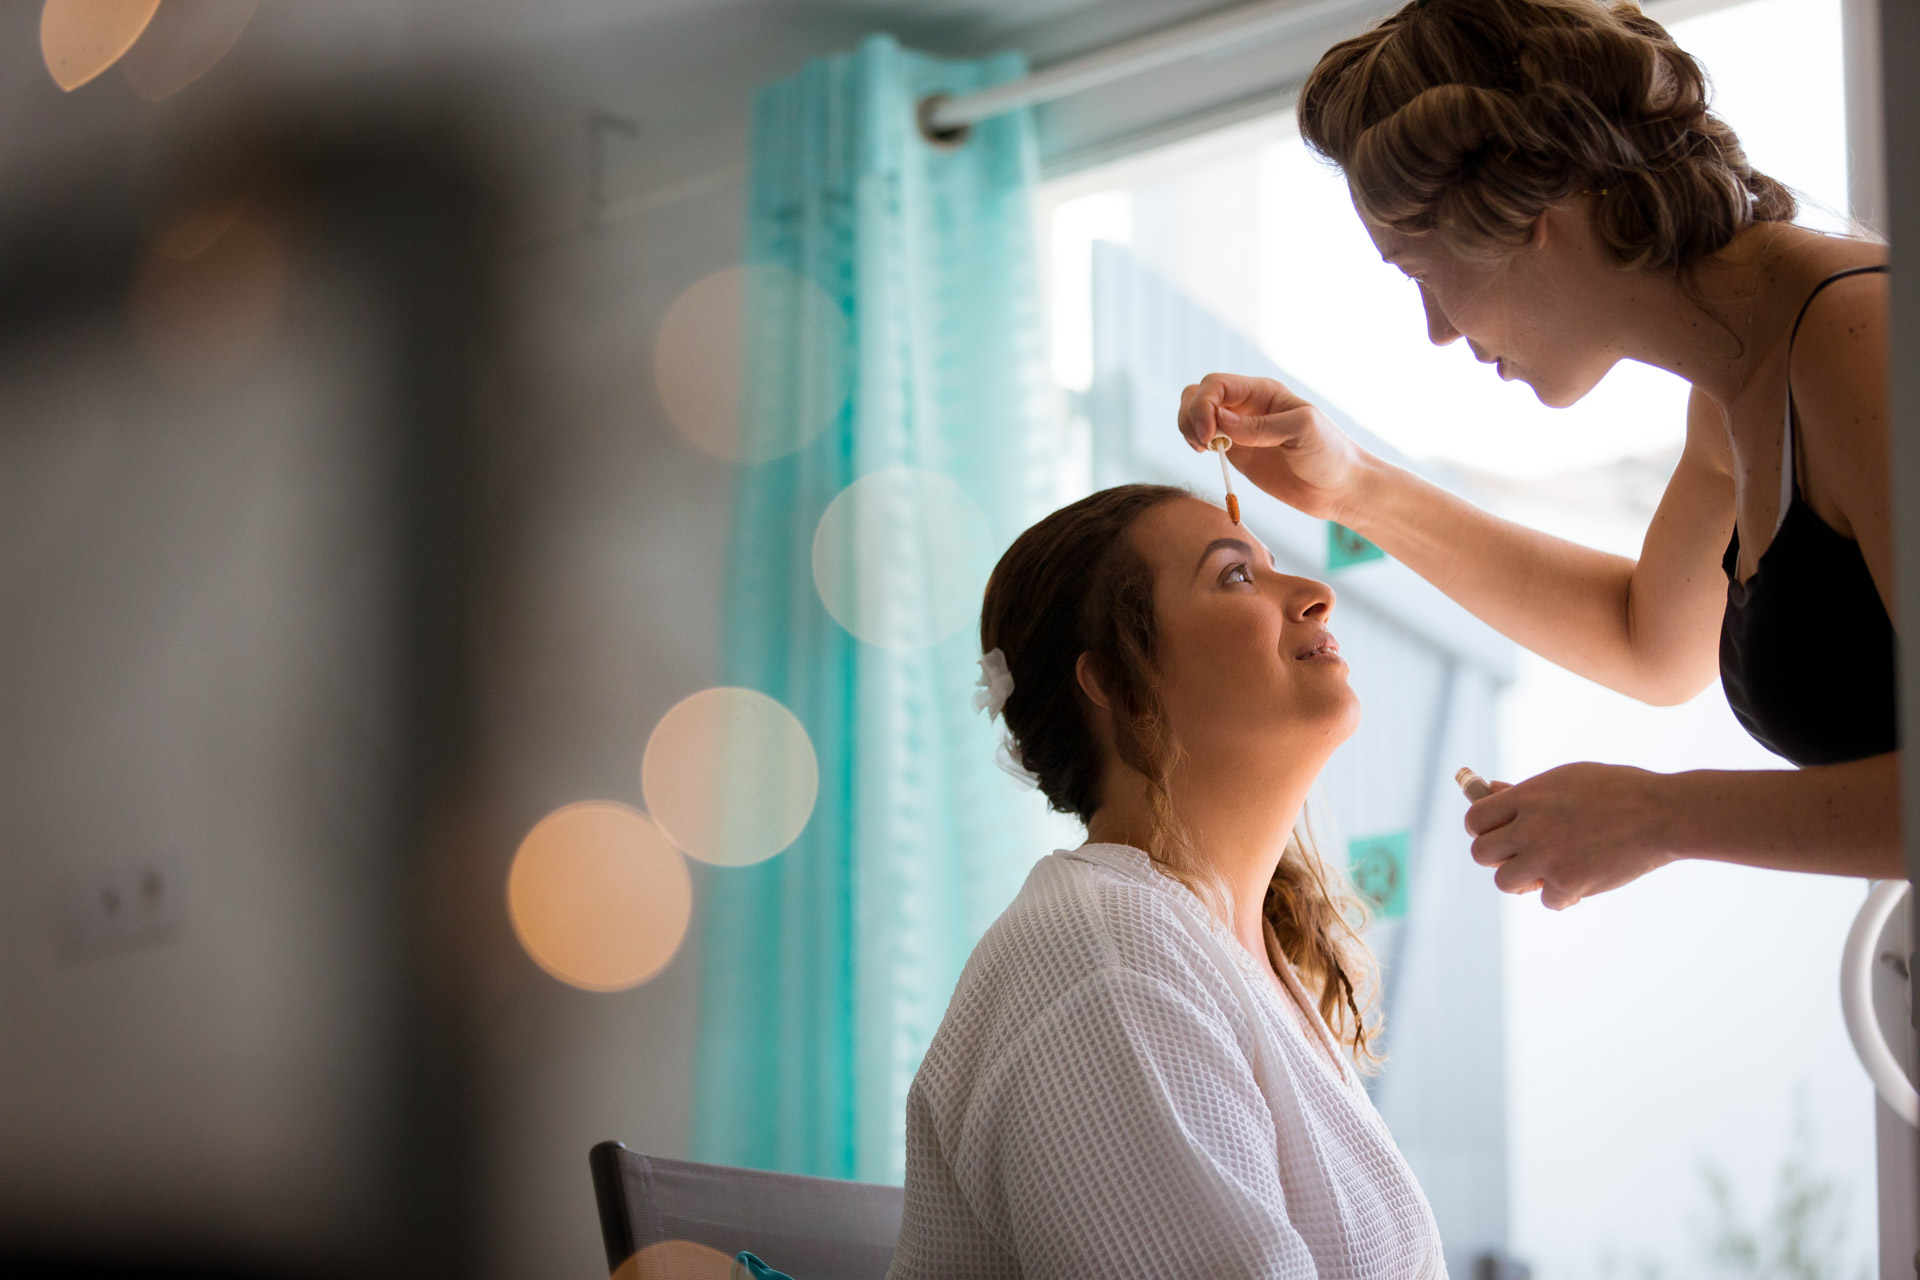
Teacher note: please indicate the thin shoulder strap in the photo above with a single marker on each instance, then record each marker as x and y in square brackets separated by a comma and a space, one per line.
[1790, 456]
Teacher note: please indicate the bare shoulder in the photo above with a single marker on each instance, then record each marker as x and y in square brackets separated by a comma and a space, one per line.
[1843, 327]
[1825, 307]
[1799, 258]
[1838, 368]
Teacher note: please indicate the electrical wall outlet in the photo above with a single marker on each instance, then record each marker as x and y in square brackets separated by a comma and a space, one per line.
[121, 907]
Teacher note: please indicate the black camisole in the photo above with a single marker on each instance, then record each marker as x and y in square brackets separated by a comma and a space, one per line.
[1806, 647]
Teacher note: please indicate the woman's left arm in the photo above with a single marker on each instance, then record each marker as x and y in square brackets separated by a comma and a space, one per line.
[1582, 829]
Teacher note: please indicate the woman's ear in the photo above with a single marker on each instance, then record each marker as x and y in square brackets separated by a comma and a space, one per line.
[1566, 223]
[1098, 704]
[1089, 680]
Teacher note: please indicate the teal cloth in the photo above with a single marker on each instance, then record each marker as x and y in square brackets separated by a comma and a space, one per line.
[826, 970]
[753, 1269]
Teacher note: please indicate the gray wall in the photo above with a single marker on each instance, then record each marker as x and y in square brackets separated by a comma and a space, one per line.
[199, 677]
[197, 643]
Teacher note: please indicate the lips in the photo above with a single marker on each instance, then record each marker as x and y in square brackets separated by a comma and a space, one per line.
[1322, 646]
[1499, 363]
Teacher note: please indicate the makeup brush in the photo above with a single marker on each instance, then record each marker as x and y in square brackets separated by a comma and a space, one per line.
[1220, 445]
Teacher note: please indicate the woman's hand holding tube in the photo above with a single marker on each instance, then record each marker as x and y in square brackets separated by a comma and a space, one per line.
[1282, 443]
[1571, 832]
[1582, 829]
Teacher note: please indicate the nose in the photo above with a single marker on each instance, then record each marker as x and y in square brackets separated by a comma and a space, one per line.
[1307, 600]
[1440, 330]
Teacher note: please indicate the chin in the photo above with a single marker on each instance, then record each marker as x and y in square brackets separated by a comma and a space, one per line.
[1556, 397]
[1348, 717]
[1564, 392]
[1339, 715]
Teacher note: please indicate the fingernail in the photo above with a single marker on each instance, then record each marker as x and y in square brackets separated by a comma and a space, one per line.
[1228, 416]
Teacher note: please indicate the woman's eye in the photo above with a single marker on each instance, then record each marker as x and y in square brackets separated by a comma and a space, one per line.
[1237, 573]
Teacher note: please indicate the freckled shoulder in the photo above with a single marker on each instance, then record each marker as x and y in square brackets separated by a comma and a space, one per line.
[1842, 338]
[1839, 372]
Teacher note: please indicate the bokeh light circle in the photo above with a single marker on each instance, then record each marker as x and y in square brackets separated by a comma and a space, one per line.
[598, 897]
[798, 339]
[184, 41]
[81, 38]
[900, 558]
[730, 775]
[678, 1260]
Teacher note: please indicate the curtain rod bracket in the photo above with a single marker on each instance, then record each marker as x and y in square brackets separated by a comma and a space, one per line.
[944, 139]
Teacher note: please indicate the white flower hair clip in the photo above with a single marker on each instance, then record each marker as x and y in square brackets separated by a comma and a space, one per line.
[990, 695]
[995, 685]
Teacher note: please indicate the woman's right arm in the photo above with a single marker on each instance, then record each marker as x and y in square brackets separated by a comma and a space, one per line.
[1646, 628]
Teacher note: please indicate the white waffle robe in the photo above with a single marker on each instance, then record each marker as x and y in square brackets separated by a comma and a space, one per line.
[1119, 1089]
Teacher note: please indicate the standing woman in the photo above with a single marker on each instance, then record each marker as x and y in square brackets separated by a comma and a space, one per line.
[1548, 174]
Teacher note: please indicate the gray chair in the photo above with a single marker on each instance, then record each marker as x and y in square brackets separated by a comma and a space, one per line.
[810, 1228]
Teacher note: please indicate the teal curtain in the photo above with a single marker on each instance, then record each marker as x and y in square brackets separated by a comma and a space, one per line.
[826, 970]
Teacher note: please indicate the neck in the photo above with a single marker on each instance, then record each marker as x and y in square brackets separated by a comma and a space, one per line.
[1710, 331]
[1238, 821]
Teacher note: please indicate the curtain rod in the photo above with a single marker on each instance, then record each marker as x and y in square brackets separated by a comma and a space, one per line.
[946, 119]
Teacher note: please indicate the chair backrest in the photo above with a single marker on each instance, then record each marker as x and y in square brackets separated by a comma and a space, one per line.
[810, 1228]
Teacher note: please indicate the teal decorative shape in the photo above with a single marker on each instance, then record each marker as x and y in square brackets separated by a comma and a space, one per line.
[1379, 865]
[1345, 547]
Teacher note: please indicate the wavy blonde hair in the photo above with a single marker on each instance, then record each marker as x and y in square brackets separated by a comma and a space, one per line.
[1075, 584]
[1467, 118]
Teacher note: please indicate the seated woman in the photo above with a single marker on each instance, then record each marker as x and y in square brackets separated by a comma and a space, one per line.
[1149, 1065]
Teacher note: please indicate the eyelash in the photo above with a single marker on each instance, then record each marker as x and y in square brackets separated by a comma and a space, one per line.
[1240, 568]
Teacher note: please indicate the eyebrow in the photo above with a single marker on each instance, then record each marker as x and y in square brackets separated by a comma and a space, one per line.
[1221, 544]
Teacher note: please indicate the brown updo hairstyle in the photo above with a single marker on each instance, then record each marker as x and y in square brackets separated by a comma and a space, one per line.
[1075, 584]
[1469, 117]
